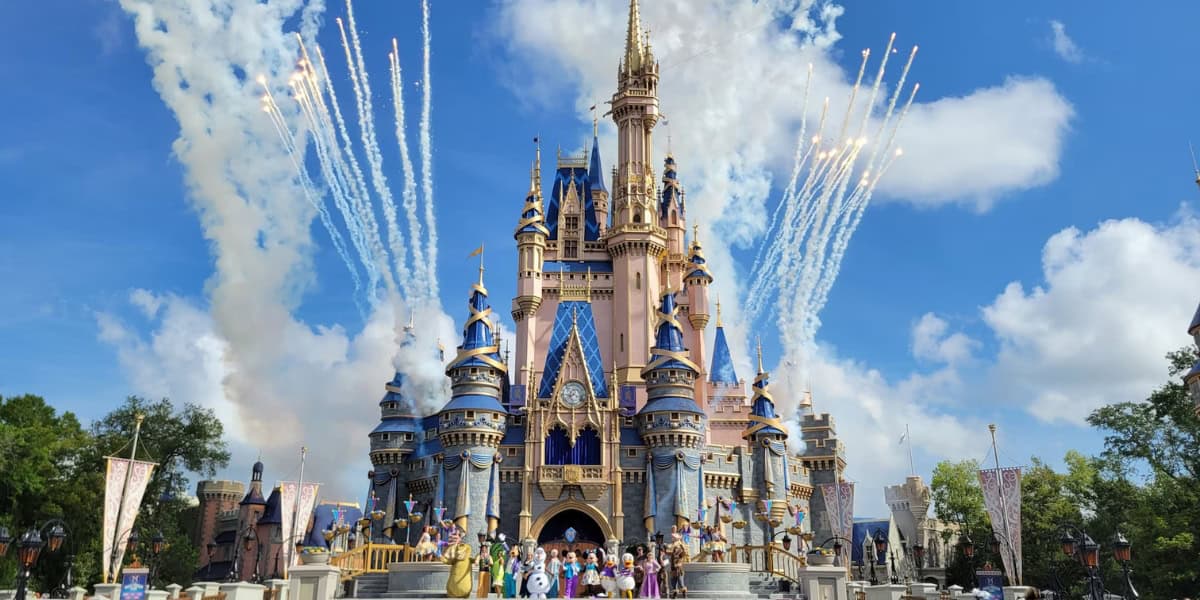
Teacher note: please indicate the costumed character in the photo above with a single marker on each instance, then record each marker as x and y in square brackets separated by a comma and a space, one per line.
[526, 566]
[425, 546]
[498, 555]
[679, 556]
[719, 545]
[639, 574]
[484, 562]
[591, 576]
[608, 577]
[510, 573]
[538, 582]
[625, 581]
[650, 567]
[553, 569]
[458, 556]
[571, 570]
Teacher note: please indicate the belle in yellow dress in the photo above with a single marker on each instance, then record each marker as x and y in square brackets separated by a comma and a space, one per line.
[458, 556]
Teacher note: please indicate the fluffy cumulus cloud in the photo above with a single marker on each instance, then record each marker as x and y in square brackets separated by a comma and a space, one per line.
[1114, 301]
[275, 380]
[1064, 46]
[932, 341]
[733, 75]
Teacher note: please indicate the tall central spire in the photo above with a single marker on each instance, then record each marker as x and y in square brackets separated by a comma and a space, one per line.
[633, 39]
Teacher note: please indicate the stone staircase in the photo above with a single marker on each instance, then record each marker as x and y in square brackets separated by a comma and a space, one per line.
[369, 585]
[764, 585]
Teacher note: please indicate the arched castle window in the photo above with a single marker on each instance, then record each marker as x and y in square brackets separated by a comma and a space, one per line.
[585, 450]
[674, 218]
[637, 218]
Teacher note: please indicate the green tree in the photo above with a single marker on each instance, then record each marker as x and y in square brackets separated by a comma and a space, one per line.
[43, 475]
[182, 442]
[1148, 484]
[957, 498]
[1048, 500]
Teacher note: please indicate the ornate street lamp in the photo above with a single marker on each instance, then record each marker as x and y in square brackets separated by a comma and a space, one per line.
[919, 556]
[968, 547]
[5, 540]
[28, 550]
[1122, 551]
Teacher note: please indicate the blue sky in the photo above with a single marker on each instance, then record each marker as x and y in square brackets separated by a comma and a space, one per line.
[919, 326]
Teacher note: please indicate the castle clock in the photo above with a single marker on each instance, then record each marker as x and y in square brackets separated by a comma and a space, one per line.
[573, 394]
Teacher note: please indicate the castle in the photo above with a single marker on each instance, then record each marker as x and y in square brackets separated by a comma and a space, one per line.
[614, 421]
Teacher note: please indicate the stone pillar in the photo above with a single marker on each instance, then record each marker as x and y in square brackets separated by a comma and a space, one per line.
[240, 590]
[76, 593]
[173, 590]
[885, 592]
[112, 591]
[825, 581]
[196, 592]
[156, 594]
[726, 581]
[921, 589]
[312, 582]
[1015, 592]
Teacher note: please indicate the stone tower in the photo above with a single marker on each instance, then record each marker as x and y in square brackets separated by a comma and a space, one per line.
[531, 235]
[217, 498]
[472, 423]
[767, 438]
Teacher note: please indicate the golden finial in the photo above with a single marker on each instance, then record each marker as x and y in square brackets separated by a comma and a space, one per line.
[718, 310]
[696, 233]
[561, 284]
[758, 343]
[480, 265]
[595, 123]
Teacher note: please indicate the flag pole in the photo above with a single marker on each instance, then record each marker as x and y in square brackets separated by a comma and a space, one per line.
[1007, 541]
[116, 542]
[912, 469]
[291, 546]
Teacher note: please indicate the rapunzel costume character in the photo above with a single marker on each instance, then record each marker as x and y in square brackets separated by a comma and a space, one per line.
[651, 567]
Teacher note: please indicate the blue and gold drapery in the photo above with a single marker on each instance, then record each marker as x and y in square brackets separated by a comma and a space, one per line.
[463, 500]
[389, 502]
[682, 463]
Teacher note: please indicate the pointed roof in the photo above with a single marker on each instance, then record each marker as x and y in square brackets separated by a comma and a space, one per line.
[254, 496]
[699, 264]
[271, 514]
[672, 191]
[722, 370]
[1192, 329]
[567, 176]
[532, 220]
[633, 39]
[763, 420]
[595, 169]
[479, 347]
[669, 352]
[573, 321]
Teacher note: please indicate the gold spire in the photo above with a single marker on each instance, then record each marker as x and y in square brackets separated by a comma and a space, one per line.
[696, 233]
[480, 265]
[633, 40]
[718, 310]
[758, 343]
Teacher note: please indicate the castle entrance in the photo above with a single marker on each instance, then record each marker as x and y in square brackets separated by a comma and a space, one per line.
[571, 526]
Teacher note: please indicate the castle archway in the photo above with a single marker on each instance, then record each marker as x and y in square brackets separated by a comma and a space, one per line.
[590, 528]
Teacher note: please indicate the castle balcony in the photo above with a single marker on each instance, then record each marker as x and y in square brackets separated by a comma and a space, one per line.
[591, 479]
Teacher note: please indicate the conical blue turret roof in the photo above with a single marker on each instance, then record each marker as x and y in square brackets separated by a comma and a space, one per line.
[672, 192]
[669, 353]
[478, 349]
[699, 265]
[722, 370]
[763, 420]
[595, 170]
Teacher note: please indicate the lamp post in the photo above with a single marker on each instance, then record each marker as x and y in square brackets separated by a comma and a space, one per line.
[249, 536]
[1077, 544]
[29, 548]
[1122, 551]
[968, 549]
[211, 547]
[918, 552]
[881, 544]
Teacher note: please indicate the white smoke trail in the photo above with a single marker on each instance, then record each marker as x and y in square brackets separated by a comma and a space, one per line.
[366, 125]
[809, 231]
[410, 182]
[427, 152]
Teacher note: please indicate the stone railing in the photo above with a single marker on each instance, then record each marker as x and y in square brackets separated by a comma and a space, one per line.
[370, 558]
[770, 559]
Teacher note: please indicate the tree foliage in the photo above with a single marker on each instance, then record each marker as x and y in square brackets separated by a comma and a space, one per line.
[52, 467]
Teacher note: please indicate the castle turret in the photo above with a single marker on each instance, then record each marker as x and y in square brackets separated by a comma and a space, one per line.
[697, 279]
[725, 393]
[596, 183]
[671, 217]
[392, 441]
[531, 235]
[636, 241]
[767, 436]
[472, 423]
[671, 425]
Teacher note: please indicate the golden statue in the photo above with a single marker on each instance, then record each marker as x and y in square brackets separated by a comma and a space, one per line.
[458, 555]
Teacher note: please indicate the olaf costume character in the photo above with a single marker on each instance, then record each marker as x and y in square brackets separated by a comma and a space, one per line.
[537, 582]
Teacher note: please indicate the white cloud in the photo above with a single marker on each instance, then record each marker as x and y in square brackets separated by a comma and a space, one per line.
[276, 381]
[1064, 46]
[1115, 300]
[932, 342]
[731, 82]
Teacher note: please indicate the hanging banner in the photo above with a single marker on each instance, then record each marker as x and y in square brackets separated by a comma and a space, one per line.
[1002, 499]
[123, 490]
[839, 509]
[291, 513]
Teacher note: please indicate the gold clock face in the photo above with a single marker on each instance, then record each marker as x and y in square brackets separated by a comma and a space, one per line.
[573, 394]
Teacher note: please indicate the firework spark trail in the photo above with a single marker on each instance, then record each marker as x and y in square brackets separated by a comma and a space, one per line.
[288, 139]
[427, 154]
[817, 217]
[409, 193]
[375, 161]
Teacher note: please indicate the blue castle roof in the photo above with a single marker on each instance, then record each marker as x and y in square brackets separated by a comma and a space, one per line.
[669, 352]
[763, 420]
[595, 170]
[532, 220]
[698, 262]
[478, 349]
[1195, 322]
[672, 193]
[722, 370]
[577, 315]
[271, 514]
